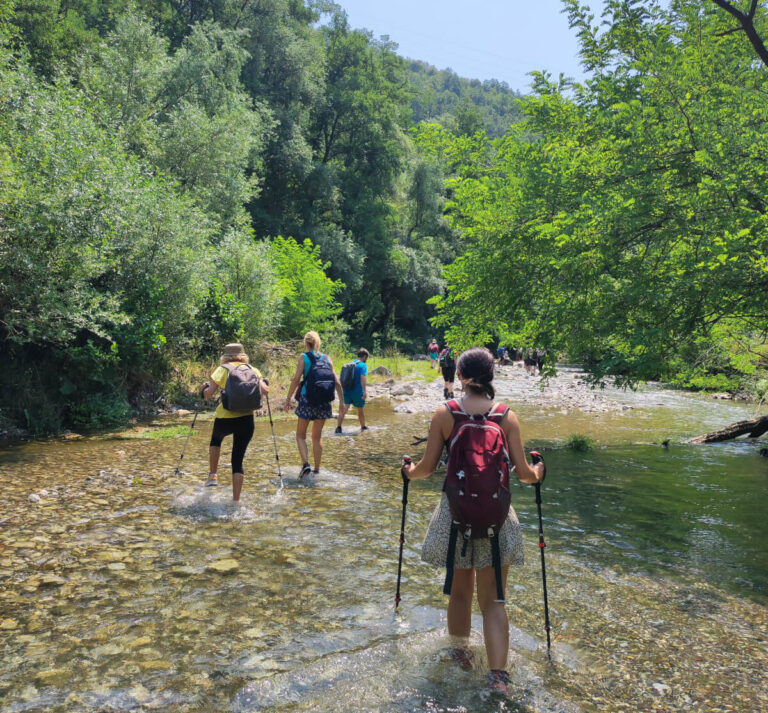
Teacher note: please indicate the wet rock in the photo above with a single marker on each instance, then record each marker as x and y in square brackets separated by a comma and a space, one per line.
[53, 677]
[404, 408]
[403, 389]
[34, 498]
[8, 624]
[140, 642]
[184, 571]
[660, 689]
[722, 396]
[156, 665]
[52, 580]
[224, 566]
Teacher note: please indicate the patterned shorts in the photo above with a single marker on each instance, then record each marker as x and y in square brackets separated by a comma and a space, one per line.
[435, 548]
[309, 412]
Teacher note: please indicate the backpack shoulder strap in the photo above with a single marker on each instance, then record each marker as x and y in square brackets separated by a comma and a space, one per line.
[455, 409]
[497, 412]
[311, 356]
[228, 366]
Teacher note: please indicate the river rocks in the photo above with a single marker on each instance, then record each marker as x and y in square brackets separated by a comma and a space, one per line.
[381, 371]
[8, 624]
[723, 396]
[34, 498]
[402, 390]
[52, 580]
[224, 566]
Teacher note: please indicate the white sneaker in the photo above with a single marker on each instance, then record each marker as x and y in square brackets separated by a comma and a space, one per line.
[212, 480]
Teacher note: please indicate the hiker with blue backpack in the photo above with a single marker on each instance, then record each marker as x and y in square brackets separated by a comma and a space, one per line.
[242, 388]
[474, 531]
[314, 386]
[354, 385]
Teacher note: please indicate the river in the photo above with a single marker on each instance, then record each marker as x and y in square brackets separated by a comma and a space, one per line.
[129, 589]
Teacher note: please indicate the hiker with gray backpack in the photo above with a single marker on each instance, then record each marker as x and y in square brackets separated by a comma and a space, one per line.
[314, 386]
[242, 388]
[474, 531]
[354, 385]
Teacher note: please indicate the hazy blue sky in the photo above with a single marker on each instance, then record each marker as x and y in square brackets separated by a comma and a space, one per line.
[483, 39]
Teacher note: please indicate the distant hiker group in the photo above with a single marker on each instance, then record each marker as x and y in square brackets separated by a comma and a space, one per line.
[532, 359]
[474, 532]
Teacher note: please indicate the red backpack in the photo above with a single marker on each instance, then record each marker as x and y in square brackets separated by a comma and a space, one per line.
[477, 483]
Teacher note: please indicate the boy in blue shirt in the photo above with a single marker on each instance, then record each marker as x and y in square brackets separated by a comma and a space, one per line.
[356, 396]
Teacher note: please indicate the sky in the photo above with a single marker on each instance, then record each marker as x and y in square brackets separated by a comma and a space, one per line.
[479, 39]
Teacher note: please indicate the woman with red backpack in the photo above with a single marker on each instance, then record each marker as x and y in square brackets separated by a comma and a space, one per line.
[474, 532]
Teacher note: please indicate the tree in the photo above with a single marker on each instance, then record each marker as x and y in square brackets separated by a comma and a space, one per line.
[747, 25]
[634, 223]
[308, 295]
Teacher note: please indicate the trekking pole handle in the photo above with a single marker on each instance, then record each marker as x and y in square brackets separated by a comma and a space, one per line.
[407, 460]
[536, 458]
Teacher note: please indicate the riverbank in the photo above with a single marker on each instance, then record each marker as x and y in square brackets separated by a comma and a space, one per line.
[408, 382]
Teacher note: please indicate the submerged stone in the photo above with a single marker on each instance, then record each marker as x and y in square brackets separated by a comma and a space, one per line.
[224, 566]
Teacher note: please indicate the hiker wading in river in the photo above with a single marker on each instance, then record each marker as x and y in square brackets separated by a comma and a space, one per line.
[242, 387]
[314, 385]
[455, 539]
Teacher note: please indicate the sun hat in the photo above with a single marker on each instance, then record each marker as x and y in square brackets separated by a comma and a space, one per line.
[234, 349]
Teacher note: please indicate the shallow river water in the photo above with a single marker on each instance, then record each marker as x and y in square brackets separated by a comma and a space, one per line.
[128, 589]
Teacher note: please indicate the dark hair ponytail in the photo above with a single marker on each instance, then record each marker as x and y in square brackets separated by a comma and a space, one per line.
[477, 365]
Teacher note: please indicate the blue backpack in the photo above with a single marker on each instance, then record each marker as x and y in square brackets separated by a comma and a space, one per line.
[320, 381]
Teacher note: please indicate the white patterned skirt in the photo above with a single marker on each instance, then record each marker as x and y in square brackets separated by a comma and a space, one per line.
[435, 548]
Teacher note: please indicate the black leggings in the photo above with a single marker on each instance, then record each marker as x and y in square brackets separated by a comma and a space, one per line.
[241, 430]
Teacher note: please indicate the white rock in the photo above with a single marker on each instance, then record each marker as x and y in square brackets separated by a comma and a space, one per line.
[34, 498]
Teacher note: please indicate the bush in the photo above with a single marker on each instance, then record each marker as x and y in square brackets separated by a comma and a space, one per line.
[579, 443]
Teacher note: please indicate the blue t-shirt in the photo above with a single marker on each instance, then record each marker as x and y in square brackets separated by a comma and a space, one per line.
[361, 369]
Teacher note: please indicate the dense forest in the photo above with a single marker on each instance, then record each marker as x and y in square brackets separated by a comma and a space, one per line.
[175, 174]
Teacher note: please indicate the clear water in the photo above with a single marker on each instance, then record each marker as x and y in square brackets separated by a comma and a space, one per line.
[115, 594]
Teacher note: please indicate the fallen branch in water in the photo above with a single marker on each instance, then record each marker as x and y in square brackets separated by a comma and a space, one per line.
[755, 428]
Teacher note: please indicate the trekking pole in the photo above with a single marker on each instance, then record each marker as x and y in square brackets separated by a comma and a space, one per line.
[406, 481]
[536, 458]
[191, 428]
[274, 440]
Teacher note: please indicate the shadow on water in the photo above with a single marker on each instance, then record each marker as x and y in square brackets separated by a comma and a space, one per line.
[125, 588]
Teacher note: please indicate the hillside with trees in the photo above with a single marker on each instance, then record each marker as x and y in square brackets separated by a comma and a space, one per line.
[174, 175]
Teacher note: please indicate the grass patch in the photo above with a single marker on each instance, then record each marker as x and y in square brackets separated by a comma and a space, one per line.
[579, 443]
[154, 434]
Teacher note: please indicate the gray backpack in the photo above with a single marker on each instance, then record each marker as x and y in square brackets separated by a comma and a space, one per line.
[242, 392]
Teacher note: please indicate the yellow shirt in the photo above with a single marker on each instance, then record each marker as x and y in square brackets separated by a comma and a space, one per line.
[220, 376]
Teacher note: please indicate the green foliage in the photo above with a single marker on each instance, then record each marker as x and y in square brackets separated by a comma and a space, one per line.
[579, 443]
[147, 151]
[308, 294]
[699, 381]
[463, 106]
[633, 223]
